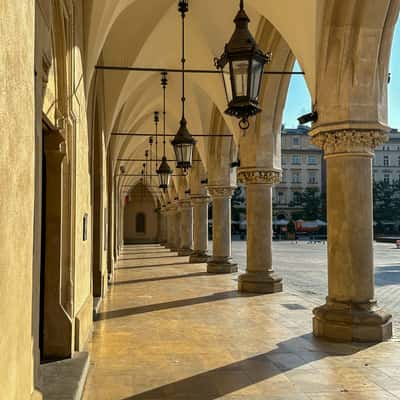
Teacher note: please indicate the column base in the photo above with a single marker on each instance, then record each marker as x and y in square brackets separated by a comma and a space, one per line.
[199, 257]
[352, 322]
[221, 266]
[184, 252]
[260, 282]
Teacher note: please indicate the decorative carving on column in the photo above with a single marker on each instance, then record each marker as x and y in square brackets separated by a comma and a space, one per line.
[350, 312]
[221, 261]
[349, 141]
[259, 276]
[258, 176]
[221, 192]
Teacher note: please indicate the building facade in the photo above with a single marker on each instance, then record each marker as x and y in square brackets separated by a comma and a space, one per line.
[386, 166]
[303, 168]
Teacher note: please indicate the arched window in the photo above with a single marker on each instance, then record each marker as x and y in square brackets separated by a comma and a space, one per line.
[140, 223]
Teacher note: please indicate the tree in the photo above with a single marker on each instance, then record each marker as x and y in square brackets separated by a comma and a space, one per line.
[386, 202]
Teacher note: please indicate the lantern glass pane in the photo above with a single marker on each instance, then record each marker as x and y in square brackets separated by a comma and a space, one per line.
[256, 77]
[183, 153]
[228, 85]
[240, 72]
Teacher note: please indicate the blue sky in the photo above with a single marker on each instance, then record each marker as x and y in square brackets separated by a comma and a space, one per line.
[299, 102]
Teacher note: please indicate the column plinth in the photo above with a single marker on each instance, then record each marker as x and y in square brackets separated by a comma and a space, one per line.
[221, 261]
[351, 312]
[186, 228]
[260, 276]
[200, 229]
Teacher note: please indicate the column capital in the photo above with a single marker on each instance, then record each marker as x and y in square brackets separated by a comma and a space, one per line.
[218, 192]
[185, 204]
[259, 176]
[198, 199]
[349, 141]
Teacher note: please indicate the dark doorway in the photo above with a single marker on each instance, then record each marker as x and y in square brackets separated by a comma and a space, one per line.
[140, 223]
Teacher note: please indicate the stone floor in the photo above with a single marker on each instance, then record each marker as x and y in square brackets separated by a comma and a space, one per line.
[167, 330]
[303, 266]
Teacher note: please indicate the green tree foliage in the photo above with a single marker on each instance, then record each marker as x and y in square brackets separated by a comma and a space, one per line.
[387, 202]
[312, 206]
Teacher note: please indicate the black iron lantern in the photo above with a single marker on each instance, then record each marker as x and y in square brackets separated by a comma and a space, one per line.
[242, 70]
[183, 142]
[183, 146]
[164, 174]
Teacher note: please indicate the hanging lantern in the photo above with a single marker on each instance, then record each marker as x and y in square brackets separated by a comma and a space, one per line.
[242, 70]
[164, 171]
[164, 174]
[183, 142]
[183, 146]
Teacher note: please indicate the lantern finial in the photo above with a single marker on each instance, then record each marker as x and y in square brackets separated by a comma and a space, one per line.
[242, 4]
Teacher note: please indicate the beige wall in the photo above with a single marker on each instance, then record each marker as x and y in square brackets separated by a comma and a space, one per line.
[141, 202]
[17, 141]
[82, 259]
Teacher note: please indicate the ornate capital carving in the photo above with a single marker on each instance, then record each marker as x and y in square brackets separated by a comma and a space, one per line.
[219, 192]
[185, 204]
[349, 141]
[257, 176]
[199, 199]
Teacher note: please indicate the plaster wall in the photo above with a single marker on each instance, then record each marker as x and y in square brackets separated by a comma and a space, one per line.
[17, 156]
[82, 259]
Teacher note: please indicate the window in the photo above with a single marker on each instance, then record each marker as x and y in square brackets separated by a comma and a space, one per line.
[281, 198]
[140, 223]
[296, 141]
[385, 161]
[283, 159]
[284, 173]
[386, 178]
[398, 161]
[296, 159]
[312, 177]
[297, 198]
[296, 177]
[312, 160]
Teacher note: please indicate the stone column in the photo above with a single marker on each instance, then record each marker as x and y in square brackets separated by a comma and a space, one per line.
[186, 228]
[259, 276]
[171, 212]
[351, 312]
[221, 261]
[163, 226]
[200, 229]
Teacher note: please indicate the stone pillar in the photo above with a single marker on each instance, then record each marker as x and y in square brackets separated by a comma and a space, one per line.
[221, 261]
[186, 228]
[351, 312]
[200, 229]
[163, 233]
[259, 276]
[171, 213]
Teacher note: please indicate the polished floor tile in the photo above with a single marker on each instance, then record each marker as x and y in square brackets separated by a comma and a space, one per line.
[168, 330]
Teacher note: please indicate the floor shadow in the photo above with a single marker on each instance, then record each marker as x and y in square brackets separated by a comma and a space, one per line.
[154, 251]
[125, 312]
[154, 265]
[230, 378]
[161, 278]
[149, 258]
[387, 275]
